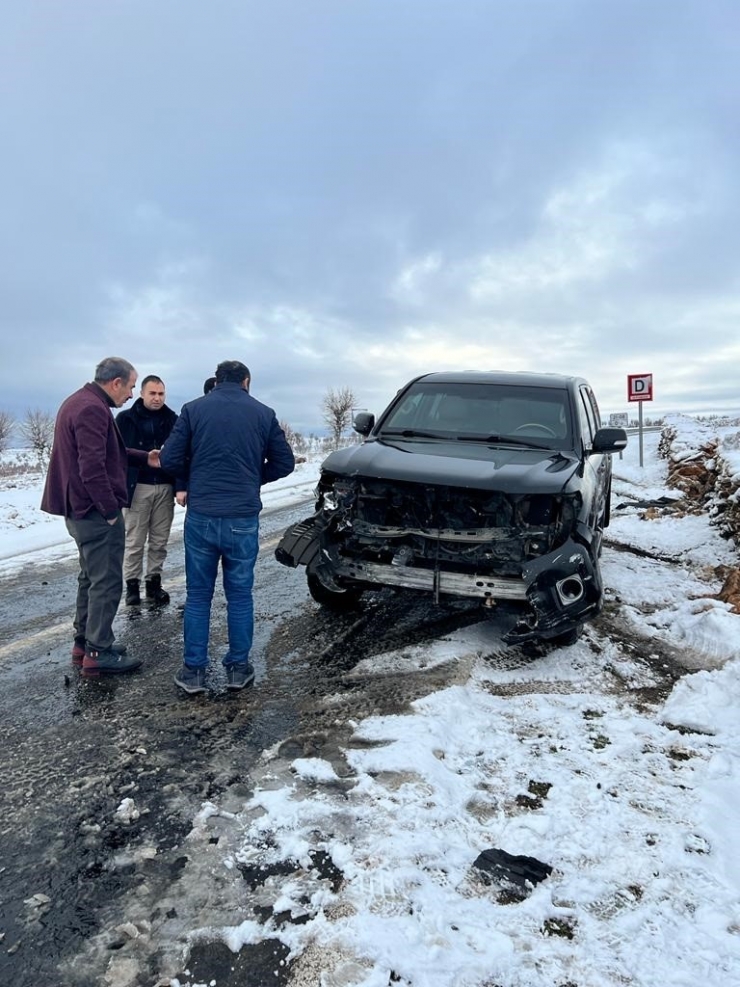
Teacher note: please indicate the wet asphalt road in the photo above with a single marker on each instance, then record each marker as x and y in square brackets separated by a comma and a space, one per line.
[99, 891]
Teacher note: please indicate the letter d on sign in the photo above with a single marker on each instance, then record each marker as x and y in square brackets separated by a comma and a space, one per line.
[639, 387]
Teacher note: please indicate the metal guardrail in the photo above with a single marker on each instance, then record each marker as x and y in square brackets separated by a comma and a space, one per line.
[636, 431]
[646, 428]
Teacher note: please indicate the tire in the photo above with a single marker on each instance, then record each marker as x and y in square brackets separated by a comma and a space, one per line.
[338, 600]
[568, 638]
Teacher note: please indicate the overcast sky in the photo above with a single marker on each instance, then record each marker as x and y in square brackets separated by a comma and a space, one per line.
[353, 192]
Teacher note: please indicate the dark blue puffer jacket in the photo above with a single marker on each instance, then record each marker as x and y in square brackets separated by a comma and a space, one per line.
[227, 444]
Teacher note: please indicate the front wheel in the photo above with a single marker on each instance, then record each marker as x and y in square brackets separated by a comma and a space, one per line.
[567, 638]
[338, 599]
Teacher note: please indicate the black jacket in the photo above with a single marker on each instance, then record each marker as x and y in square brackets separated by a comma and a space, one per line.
[146, 430]
[228, 444]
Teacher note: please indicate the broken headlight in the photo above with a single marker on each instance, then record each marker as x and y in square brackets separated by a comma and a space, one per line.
[338, 496]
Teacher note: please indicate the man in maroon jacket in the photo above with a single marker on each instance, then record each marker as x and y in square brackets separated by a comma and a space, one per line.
[86, 484]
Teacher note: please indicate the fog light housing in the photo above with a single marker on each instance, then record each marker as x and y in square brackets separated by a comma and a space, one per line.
[570, 590]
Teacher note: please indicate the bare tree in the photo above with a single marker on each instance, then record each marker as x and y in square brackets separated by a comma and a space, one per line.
[289, 433]
[337, 412]
[7, 423]
[296, 440]
[38, 430]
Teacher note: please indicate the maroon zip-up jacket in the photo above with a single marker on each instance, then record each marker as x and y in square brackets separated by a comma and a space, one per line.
[89, 459]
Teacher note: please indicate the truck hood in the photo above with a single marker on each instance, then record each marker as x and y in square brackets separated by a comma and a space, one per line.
[457, 464]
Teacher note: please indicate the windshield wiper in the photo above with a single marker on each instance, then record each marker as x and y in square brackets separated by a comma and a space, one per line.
[507, 440]
[411, 433]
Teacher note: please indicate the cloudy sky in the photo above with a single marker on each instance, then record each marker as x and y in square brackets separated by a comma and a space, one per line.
[351, 193]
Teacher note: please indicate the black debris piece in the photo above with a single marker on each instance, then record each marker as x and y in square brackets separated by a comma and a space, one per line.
[657, 502]
[498, 865]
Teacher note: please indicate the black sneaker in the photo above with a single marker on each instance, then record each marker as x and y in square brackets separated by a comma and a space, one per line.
[239, 676]
[107, 662]
[191, 680]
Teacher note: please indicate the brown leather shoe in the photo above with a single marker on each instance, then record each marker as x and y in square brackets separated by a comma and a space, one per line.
[78, 651]
[107, 662]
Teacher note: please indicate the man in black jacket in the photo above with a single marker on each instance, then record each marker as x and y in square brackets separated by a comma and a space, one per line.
[146, 425]
[229, 444]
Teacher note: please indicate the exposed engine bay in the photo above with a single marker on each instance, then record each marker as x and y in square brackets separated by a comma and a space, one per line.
[473, 543]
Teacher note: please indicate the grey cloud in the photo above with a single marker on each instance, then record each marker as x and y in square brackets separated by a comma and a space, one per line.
[171, 166]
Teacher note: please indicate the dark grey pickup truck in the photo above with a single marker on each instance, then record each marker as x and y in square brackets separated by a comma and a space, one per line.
[491, 486]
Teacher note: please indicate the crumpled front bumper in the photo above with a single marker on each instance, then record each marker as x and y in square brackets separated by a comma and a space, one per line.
[563, 590]
[301, 544]
[558, 591]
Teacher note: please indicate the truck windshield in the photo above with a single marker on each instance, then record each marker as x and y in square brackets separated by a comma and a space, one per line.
[483, 412]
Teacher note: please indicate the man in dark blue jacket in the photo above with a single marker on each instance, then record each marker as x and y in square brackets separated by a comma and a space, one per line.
[227, 444]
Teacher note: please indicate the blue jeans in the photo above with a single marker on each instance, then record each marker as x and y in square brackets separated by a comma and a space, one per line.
[234, 541]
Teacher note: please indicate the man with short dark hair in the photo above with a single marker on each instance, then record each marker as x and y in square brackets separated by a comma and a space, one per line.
[230, 444]
[151, 494]
[86, 485]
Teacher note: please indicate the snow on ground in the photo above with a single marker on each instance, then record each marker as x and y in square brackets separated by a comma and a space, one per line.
[635, 811]
[677, 584]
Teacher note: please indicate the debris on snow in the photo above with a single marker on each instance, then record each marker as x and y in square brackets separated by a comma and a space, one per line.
[516, 869]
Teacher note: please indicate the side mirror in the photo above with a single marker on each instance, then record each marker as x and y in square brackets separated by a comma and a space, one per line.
[364, 422]
[609, 440]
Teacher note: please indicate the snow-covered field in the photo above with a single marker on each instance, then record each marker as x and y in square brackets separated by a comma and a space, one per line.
[28, 535]
[636, 810]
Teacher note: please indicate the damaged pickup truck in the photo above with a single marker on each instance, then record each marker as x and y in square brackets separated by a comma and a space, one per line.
[490, 486]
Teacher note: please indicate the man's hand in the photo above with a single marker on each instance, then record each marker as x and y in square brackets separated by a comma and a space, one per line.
[181, 497]
[153, 458]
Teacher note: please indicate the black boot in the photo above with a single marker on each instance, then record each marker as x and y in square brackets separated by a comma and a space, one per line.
[133, 597]
[154, 591]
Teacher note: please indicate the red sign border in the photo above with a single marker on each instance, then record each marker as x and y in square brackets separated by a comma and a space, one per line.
[630, 378]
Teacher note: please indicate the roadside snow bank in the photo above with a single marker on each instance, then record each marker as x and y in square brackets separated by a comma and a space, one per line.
[704, 463]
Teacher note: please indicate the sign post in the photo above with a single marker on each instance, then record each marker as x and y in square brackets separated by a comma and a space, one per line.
[640, 388]
[619, 419]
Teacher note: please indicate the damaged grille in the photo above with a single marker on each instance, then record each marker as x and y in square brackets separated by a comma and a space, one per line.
[411, 524]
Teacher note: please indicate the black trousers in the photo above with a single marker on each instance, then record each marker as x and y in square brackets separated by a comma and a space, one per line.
[100, 582]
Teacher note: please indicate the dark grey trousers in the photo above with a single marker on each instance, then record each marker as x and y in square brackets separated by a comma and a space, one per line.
[100, 582]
